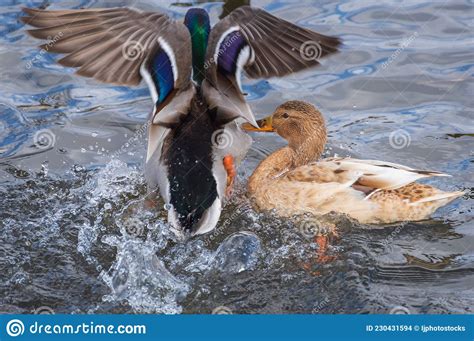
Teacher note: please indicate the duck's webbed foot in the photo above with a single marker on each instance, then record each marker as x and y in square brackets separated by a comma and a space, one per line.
[322, 256]
[229, 167]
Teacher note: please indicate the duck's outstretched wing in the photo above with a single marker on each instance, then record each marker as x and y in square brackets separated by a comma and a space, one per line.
[264, 46]
[123, 46]
[110, 45]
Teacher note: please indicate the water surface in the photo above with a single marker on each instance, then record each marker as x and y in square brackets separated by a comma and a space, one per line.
[77, 237]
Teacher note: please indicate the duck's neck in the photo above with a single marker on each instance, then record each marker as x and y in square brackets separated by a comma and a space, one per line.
[307, 148]
[198, 24]
[270, 168]
[296, 154]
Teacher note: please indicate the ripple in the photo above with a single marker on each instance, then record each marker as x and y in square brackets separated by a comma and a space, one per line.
[77, 233]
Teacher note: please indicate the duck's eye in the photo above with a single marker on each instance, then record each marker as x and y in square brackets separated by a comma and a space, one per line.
[285, 115]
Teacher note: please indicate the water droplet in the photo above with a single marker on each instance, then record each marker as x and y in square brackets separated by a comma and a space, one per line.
[77, 168]
[238, 252]
[94, 134]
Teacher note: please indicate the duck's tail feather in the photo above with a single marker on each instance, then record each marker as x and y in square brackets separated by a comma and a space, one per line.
[381, 175]
[441, 196]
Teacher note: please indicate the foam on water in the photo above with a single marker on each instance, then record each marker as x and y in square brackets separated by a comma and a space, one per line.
[137, 276]
[141, 279]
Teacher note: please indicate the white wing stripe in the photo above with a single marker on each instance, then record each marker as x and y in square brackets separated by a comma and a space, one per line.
[149, 82]
[242, 60]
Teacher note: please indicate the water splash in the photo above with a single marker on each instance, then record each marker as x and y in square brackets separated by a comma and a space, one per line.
[141, 279]
[238, 252]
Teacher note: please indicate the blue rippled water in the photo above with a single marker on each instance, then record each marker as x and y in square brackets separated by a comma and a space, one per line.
[76, 237]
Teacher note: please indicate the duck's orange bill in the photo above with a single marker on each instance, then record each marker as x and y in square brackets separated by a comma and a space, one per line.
[263, 125]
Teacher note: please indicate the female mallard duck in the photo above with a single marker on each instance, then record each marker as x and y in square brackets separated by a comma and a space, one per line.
[193, 74]
[291, 181]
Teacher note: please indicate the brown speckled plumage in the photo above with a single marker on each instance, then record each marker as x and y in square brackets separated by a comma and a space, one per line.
[291, 181]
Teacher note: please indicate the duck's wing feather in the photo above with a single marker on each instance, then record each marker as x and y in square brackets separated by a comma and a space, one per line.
[276, 46]
[110, 45]
[382, 175]
[123, 46]
[372, 174]
[263, 45]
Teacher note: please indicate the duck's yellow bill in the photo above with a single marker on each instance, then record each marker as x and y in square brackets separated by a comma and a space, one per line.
[264, 125]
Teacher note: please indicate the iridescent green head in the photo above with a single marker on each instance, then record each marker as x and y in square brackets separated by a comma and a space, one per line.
[198, 24]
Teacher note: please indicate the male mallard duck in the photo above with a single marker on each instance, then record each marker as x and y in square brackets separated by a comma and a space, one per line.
[291, 181]
[193, 74]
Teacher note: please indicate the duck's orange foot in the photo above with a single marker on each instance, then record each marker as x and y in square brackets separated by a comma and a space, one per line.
[312, 266]
[321, 256]
[229, 167]
[308, 267]
[324, 259]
